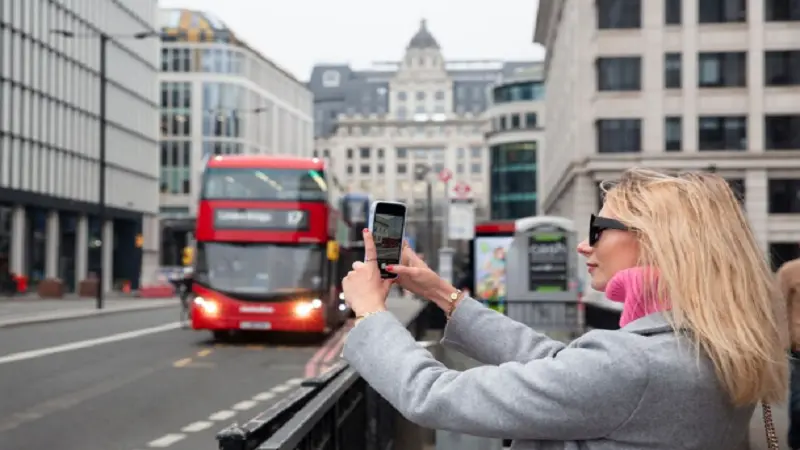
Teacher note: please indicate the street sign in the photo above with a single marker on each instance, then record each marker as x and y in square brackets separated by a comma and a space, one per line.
[445, 175]
[461, 190]
[462, 220]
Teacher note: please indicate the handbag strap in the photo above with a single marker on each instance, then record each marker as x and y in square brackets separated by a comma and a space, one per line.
[769, 427]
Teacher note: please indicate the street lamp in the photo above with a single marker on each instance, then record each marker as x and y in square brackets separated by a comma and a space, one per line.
[101, 202]
[422, 172]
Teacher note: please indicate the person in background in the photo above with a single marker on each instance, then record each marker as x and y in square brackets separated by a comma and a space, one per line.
[789, 280]
[702, 345]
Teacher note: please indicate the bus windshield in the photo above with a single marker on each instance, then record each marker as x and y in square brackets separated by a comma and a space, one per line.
[248, 268]
[264, 184]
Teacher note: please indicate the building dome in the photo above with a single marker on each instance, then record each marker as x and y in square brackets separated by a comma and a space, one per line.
[423, 39]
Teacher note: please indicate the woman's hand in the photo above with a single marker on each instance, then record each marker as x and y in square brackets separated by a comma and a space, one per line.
[364, 289]
[415, 276]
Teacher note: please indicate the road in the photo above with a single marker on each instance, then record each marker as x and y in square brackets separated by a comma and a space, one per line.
[134, 381]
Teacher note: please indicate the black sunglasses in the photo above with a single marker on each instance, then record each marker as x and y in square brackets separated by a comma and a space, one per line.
[599, 224]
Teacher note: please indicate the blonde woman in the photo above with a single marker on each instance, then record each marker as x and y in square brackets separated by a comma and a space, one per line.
[702, 349]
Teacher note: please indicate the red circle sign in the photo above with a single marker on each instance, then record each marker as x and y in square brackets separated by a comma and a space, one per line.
[445, 175]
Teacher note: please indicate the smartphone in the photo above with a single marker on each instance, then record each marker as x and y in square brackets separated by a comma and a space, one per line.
[387, 223]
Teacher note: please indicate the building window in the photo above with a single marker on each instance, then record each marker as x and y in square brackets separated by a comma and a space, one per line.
[782, 68]
[364, 169]
[722, 133]
[672, 12]
[616, 14]
[526, 91]
[784, 196]
[331, 78]
[516, 123]
[722, 69]
[782, 252]
[739, 189]
[349, 153]
[619, 135]
[672, 70]
[619, 74]
[673, 134]
[782, 132]
[512, 180]
[364, 152]
[722, 11]
[781, 10]
[531, 120]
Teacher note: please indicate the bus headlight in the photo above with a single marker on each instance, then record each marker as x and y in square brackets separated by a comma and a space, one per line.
[304, 309]
[209, 307]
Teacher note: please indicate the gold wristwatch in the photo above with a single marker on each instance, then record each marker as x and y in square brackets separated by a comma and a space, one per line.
[453, 299]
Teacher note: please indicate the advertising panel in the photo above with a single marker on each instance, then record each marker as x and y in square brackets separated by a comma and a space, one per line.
[490, 270]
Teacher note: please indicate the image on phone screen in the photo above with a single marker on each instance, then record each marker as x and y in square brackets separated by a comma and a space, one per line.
[387, 231]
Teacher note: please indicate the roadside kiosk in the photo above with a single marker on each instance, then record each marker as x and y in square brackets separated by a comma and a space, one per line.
[542, 276]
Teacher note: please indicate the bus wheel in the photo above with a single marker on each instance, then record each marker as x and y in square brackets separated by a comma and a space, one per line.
[221, 335]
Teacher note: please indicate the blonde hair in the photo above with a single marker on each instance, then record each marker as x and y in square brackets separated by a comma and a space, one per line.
[713, 273]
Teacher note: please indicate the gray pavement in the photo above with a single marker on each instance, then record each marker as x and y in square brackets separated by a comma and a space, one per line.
[27, 310]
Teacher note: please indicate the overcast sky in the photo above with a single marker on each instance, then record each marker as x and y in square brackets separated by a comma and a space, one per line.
[298, 34]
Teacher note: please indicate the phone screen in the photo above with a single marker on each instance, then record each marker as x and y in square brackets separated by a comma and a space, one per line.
[387, 231]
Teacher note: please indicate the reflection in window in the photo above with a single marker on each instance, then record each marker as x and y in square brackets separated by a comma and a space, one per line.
[176, 164]
[243, 268]
[264, 184]
[533, 90]
[513, 180]
[222, 108]
[221, 60]
[722, 133]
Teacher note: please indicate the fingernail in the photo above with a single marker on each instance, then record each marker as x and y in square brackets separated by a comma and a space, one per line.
[390, 268]
[365, 231]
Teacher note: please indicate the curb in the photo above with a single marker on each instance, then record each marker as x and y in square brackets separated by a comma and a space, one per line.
[22, 321]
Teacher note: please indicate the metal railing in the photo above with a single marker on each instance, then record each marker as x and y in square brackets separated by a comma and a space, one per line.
[338, 410]
[334, 411]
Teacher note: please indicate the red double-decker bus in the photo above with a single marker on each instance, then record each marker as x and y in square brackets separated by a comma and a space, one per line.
[266, 252]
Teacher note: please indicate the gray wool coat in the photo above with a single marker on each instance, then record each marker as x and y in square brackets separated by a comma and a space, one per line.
[641, 387]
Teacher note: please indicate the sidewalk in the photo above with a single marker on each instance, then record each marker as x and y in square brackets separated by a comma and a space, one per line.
[26, 310]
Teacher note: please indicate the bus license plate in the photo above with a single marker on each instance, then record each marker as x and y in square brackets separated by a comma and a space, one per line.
[255, 325]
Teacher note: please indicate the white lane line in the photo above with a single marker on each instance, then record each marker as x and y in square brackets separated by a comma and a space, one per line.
[264, 396]
[222, 415]
[281, 388]
[14, 357]
[294, 382]
[245, 405]
[197, 426]
[166, 440]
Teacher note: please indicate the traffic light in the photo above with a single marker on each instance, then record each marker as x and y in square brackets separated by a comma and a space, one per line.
[188, 256]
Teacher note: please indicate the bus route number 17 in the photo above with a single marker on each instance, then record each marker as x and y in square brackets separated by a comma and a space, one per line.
[295, 218]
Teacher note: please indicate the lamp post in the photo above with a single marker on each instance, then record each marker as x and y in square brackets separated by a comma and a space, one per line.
[104, 39]
[422, 172]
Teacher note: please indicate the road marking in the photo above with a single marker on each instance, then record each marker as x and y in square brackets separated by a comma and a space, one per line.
[222, 415]
[22, 356]
[197, 426]
[281, 388]
[205, 352]
[264, 396]
[245, 405]
[166, 440]
[294, 382]
[182, 362]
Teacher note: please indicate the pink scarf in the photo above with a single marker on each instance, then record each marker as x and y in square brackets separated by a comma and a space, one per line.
[627, 287]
